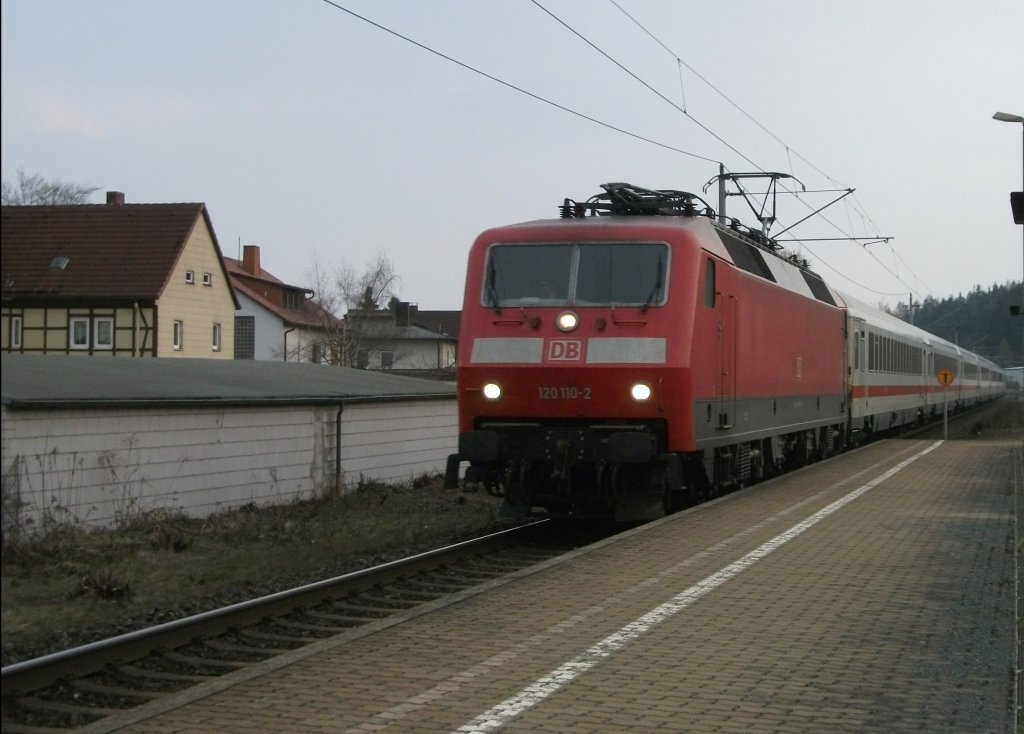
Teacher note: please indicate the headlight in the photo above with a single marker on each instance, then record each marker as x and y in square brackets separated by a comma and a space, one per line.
[492, 391]
[567, 321]
[640, 391]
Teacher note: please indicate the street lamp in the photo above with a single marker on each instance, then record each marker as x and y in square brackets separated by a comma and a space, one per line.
[1016, 197]
[1007, 117]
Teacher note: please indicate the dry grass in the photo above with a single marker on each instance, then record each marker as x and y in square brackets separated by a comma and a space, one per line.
[72, 586]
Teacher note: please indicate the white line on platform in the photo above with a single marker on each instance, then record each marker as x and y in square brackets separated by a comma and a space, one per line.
[560, 677]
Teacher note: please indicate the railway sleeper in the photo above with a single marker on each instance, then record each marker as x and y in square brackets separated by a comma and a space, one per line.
[317, 630]
[88, 686]
[133, 671]
[526, 558]
[60, 707]
[485, 563]
[12, 727]
[180, 657]
[440, 587]
[486, 572]
[390, 602]
[344, 619]
[236, 647]
[471, 573]
[272, 637]
[414, 594]
[370, 612]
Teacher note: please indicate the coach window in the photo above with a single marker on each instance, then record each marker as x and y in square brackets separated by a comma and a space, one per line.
[709, 285]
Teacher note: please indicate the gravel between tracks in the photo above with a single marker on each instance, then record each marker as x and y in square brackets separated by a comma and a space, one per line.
[68, 586]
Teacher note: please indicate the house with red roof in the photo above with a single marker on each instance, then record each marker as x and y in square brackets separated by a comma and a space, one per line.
[278, 321]
[115, 279]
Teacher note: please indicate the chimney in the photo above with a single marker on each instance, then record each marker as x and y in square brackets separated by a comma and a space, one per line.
[115, 198]
[405, 313]
[251, 259]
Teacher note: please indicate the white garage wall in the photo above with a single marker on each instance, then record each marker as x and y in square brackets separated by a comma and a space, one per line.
[108, 466]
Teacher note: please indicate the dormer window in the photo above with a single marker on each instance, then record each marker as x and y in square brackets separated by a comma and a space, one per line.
[190, 277]
[291, 299]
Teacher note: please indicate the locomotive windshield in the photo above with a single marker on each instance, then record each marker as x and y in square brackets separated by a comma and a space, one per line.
[579, 274]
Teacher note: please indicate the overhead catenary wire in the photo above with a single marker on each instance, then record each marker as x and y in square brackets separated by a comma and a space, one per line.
[689, 116]
[682, 109]
[594, 46]
[722, 94]
[516, 88]
[789, 152]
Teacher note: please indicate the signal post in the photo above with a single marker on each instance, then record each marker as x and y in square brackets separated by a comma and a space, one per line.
[946, 378]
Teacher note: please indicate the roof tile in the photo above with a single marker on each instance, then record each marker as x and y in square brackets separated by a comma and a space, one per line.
[114, 250]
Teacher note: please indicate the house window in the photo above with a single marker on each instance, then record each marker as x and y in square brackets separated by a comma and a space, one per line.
[216, 337]
[179, 335]
[103, 333]
[363, 359]
[15, 336]
[78, 333]
[207, 279]
[190, 277]
[245, 337]
[387, 358]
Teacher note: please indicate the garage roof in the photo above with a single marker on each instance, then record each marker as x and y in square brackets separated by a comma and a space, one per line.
[40, 381]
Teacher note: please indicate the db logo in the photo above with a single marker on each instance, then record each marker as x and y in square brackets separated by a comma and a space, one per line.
[565, 350]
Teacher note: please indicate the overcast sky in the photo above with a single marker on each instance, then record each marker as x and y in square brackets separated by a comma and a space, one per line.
[317, 135]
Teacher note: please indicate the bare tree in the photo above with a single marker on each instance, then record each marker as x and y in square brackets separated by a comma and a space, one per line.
[36, 190]
[367, 290]
[347, 300]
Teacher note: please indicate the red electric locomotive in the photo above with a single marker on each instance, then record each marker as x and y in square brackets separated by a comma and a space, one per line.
[636, 353]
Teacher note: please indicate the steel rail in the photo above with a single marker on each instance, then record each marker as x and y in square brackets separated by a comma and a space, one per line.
[36, 673]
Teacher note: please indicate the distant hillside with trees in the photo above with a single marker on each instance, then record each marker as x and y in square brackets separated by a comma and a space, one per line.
[980, 321]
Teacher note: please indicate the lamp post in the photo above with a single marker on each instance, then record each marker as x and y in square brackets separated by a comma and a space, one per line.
[1007, 117]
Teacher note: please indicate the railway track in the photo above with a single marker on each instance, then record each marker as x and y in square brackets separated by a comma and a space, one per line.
[76, 687]
[1000, 418]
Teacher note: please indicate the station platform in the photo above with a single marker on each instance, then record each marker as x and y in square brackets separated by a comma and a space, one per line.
[873, 592]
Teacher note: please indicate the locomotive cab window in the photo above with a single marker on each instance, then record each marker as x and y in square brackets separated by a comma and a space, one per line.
[580, 274]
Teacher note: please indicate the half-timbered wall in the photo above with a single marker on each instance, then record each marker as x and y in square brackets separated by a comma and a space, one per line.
[108, 330]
